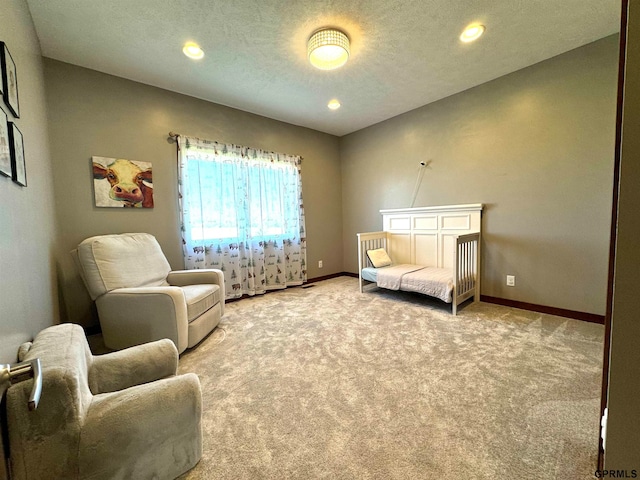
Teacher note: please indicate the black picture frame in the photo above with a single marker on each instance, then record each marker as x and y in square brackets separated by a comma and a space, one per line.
[18, 164]
[9, 80]
[5, 142]
[1, 71]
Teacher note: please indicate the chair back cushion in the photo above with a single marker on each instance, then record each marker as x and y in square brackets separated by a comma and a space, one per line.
[126, 260]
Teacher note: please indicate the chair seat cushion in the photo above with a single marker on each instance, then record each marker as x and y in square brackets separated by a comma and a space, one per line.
[200, 298]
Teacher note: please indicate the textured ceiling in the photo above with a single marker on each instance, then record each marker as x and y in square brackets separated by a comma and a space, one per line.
[404, 54]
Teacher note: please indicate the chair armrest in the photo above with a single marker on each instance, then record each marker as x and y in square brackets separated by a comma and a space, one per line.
[157, 424]
[182, 278]
[133, 366]
[133, 316]
[49, 433]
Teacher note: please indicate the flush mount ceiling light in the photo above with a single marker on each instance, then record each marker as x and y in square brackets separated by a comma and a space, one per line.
[471, 33]
[334, 104]
[192, 50]
[328, 48]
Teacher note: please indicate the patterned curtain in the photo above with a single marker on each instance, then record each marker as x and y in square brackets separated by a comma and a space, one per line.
[242, 213]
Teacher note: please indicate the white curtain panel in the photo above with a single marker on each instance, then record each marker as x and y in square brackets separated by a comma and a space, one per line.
[242, 213]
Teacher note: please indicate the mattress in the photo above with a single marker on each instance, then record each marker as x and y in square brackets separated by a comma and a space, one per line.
[432, 281]
[370, 274]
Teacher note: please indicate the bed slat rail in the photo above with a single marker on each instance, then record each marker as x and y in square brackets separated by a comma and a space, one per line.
[466, 266]
[369, 241]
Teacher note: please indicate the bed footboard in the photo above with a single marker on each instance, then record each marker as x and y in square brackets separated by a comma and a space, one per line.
[466, 269]
[368, 241]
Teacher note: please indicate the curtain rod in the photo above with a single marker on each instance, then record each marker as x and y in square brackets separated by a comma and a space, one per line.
[176, 135]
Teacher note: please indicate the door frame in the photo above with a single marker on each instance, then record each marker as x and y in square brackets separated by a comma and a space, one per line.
[614, 224]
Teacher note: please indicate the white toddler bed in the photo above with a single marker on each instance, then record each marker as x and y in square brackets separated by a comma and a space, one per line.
[434, 251]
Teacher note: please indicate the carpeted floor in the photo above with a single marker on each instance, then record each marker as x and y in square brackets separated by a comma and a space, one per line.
[328, 383]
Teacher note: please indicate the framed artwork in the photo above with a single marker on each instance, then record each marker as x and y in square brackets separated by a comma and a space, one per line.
[16, 146]
[5, 152]
[9, 80]
[122, 183]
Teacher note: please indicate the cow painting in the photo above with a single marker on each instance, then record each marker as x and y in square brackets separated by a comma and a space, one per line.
[122, 183]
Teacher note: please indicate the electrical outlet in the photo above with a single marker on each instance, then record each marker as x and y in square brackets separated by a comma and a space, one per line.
[511, 280]
[320, 264]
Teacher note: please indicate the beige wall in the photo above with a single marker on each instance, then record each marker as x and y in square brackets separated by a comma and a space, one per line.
[536, 147]
[623, 432]
[28, 291]
[91, 113]
[28, 294]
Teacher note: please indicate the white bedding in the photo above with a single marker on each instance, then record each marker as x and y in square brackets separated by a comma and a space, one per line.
[435, 282]
[391, 277]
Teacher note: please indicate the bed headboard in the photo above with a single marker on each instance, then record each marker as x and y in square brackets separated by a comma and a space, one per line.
[426, 235]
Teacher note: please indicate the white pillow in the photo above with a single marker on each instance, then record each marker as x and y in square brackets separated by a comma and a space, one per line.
[379, 257]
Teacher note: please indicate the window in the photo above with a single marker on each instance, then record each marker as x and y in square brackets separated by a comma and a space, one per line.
[242, 213]
[227, 197]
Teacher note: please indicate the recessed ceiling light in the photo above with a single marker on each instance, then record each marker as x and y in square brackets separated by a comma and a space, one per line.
[334, 104]
[192, 50]
[471, 33]
[328, 48]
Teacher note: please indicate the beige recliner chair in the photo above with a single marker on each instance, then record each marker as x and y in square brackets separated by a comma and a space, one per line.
[122, 415]
[139, 299]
